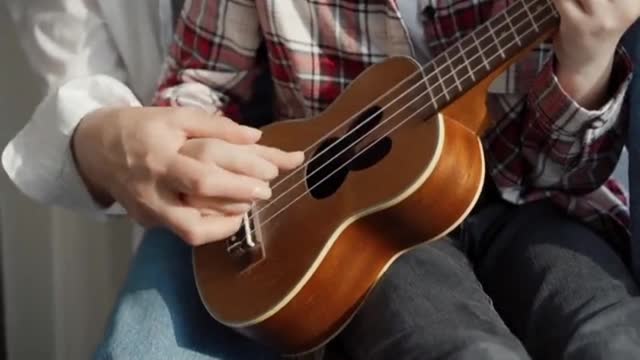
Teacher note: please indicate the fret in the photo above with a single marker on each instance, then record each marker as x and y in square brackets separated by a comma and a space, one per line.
[444, 90]
[434, 83]
[484, 50]
[434, 101]
[541, 14]
[493, 34]
[527, 27]
[513, 30]
[475, 39]
[453, 68]
[429, 87]
[466, 61]
[448, 80]
[488, 47]
[535, 26]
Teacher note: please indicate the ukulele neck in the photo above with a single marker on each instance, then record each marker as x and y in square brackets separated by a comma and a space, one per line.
[488, 48]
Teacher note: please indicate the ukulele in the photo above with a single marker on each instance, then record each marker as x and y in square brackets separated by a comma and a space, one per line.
[394, 162]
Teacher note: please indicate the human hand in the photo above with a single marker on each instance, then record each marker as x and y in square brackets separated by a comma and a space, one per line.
[235, 168]
[585, 45]
[183, 168]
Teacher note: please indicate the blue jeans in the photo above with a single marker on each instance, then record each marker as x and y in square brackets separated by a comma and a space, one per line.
[159, 315]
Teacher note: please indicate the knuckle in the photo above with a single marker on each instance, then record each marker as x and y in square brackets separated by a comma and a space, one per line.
[608, 25]
[199, 185]
[213, 147]
[188, 111]
[239, 162]
[153, 164]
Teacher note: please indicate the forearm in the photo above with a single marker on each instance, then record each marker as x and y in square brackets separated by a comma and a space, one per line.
[87, 135]
[588, 85]
[585, 46]
[568, 145]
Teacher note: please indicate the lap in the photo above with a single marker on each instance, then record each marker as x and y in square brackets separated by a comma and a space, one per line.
[159, 315]
[558, 287]
[561, 287]
[429, 305]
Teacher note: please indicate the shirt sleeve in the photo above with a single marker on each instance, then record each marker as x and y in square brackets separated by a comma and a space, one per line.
[563, 146]
[39, 160]
[212, 61]
[69, 48]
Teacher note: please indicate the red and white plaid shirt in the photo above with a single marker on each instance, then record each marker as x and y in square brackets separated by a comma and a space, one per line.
[543, 144]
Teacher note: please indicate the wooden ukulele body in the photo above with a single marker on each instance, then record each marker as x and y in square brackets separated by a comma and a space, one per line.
[320, 257]
[322, 246]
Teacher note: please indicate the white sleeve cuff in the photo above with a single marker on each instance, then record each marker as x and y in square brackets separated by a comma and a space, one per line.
[39, 159]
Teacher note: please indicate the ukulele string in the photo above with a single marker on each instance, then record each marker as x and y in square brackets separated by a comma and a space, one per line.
[357, 154]
[388, 92]
[379, 125]
[429, 89]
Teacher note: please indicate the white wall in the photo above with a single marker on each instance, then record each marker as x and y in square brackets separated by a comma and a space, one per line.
[60, 272]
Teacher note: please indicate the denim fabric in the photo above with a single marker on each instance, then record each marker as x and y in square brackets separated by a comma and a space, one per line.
[159, 314]
[632, 44]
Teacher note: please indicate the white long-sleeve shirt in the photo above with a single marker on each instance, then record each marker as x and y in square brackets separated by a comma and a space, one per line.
[90, 54]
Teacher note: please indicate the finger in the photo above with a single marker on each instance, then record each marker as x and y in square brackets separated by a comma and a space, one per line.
[193, 177]
[196, 229]
[239, 159]
[199, 123]
[216, 206]
[281, 159]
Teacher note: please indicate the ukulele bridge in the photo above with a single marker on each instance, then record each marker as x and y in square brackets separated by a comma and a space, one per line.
[245, 243]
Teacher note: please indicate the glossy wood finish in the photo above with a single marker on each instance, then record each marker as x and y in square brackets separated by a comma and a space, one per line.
[365, 249]
[439, 158]
[323, 256]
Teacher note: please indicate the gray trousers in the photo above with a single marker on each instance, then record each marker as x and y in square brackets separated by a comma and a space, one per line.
[512, 283]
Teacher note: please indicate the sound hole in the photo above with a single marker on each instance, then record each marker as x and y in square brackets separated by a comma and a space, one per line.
[328, 178]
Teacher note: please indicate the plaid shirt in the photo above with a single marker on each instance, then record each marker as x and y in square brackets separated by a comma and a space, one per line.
[542, 144]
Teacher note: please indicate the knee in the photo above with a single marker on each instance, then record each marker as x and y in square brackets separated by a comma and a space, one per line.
[140, 324]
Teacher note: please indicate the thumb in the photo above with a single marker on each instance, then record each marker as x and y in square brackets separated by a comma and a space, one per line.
[198, 123]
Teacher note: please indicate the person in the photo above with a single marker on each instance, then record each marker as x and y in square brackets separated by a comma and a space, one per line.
[539, 269]
[140, 329]
[102, 59]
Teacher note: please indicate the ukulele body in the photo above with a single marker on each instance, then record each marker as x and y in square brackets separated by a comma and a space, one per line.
[319, 256]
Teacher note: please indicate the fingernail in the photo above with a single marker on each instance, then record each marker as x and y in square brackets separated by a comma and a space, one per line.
[261, 192]
[271, 172]
[299, 156]
[253, 132]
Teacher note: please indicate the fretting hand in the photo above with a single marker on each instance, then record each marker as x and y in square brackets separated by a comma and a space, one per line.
[585, 45]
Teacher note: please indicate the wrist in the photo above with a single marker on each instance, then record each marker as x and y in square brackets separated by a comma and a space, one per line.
[84, 142]
[586, 83]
